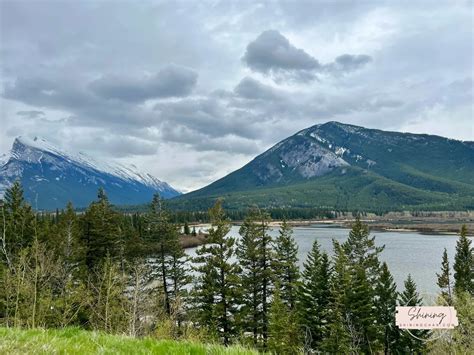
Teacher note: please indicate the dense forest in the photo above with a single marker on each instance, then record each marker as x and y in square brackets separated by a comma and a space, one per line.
[128, 274]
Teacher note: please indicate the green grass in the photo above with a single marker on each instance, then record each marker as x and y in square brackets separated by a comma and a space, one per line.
[77, 341]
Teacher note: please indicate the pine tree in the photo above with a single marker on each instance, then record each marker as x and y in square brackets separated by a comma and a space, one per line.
[194, 233]
[314, 295]
[285, 264]
[364, 265]
[338, 338]
[464, 264]
[255, 254]
[361, 320]
[283, 328]
[408, 343]
[265, 257]
[101, 235]
[16, 225]
[186, 229]
[386, 302]
[248, 256]
[444, 278]
[361, 250]
[216, 290]
[170, 259]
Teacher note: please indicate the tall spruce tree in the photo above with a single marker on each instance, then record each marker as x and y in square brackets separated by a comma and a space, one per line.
[464, 264]
[16, 224]
[411, 342]
[216, 289]
[444, 278]
[255, 255]
[314, 296]
[386, 302]
[363, 261]
[265, 258]
[186, 229]
[170, 261]
[250, 280]
[101, 235]
[285, 264]
[362, 318]
[338, 338]
[283, 328]
[361, 250]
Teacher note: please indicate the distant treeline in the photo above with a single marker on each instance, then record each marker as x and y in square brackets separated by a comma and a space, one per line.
[128, 274]
[180, 216]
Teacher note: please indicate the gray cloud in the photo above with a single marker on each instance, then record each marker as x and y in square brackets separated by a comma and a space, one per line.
[361, 63]
[271, 51]
[272, 54]
[172, 81]
[348, 63]
[253, 89]
[30, 114]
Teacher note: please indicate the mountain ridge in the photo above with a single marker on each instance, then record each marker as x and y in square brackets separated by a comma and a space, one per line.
[53, 176]
[435, 169]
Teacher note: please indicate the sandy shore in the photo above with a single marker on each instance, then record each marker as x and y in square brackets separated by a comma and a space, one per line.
[421, 225]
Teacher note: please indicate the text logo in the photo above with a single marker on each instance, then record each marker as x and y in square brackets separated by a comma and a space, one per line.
[426, 317]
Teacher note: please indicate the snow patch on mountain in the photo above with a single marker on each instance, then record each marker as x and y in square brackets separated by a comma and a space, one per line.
[44, 162]
[33, 150]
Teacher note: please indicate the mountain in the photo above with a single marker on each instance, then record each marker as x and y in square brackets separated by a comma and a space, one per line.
[52, 177]
[347, 167]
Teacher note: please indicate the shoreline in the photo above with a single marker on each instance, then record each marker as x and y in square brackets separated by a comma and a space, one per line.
[441, 227]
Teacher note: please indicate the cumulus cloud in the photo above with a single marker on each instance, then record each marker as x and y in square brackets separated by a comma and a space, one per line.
[272, 54]
[347, 63]
[172, 81]
[363, 64]
[250, 88]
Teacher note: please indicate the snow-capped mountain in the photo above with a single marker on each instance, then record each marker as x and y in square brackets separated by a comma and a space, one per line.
[51, 177]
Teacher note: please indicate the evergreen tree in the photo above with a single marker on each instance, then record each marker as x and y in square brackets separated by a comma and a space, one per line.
[283, 328]
[179, 278]
[194, 233]
[314, 295]
[338, 338]
[186, 229]
[170, 260]
[444, 278]
[386, 302]
[408, 343]
[255, 255]
[250, 277]
[265, 258]
[285, 264]
[16, 225]
[363, 261]
[361, 250]
[361, 321]
[464, 264]
[216, 290]
[101, 235]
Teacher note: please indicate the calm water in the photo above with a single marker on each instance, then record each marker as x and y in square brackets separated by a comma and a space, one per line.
[405, 252]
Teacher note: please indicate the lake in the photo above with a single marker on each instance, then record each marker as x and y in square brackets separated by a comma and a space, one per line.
[405, 252]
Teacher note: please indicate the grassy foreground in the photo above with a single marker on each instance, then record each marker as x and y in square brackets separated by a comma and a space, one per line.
[77, 341]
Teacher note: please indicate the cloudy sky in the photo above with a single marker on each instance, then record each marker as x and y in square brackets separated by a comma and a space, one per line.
[190, 91]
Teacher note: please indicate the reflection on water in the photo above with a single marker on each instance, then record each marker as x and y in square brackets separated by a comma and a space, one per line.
[405, 252]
